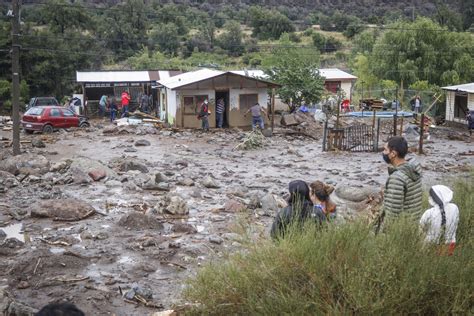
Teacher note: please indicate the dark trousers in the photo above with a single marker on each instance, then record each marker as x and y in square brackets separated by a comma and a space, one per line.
[205, 123]
[220, 119]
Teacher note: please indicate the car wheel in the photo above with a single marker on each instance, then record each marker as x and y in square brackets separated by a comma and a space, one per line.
[28, 131]
[84, 125]
[48, 129]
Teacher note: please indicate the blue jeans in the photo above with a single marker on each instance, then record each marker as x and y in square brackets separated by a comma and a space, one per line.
[257, 120]
[112, 114]
[205, 123]
[220, 119]
[124, 110]
[101, 110]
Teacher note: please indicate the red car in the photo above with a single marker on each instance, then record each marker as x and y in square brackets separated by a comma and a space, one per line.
[48, 118]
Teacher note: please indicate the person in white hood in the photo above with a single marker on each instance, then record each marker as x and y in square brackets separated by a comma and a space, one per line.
[441, 221]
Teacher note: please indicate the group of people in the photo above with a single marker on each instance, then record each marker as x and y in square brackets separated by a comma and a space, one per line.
[204, 112]
[403, 196]
[107, 103]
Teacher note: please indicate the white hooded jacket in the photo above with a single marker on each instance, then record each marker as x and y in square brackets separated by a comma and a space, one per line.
[432, 218]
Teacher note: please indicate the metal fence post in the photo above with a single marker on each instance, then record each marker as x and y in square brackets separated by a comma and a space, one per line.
[377, 134]
[422, 128]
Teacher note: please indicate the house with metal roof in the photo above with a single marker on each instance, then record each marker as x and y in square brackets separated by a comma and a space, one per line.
[182, 95]
[459, 100]
[113, 83]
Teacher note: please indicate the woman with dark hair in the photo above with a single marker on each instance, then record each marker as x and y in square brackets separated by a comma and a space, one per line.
[324, 208]
[299, 207]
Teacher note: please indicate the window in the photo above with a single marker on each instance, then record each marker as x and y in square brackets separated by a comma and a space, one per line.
[54, 113]
[67, 113]
[246, 101]
[460, 106]
[332, 86]
[34, 111]
[192, 104]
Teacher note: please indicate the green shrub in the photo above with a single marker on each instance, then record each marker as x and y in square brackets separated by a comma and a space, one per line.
[344, 269]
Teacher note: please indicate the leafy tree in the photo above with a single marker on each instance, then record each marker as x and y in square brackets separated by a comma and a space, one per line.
[144, 60]
[269, 24]
[296, 69]
[422, 50]
[363, 70]
[389, 89]
[446, 17]
[364, 42]
[326, 44]
[166, 38]
[6, 94]
[231, 39]
[61, 16]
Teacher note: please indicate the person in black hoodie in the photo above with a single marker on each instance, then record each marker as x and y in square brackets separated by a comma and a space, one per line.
[299, 207]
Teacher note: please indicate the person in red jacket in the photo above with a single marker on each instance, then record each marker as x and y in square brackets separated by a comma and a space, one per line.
[125, 103]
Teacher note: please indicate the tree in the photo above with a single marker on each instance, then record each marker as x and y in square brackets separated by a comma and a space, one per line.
[296, 69]
[166, 38]
[231, 39]
[422, 50]
[268, 24]
[326, 44]
[366, 77]
[61, 16]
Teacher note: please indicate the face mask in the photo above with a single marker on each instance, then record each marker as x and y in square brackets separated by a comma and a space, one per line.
[386, 158]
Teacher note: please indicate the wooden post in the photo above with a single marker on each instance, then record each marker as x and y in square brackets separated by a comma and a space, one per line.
[422, 127]
[395, 125]
[16, 76]
[373, 120]
[325, 134]
[273, 108]
[401, 126]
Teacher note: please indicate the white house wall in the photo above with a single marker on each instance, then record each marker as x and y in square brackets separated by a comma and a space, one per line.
[450, 98]
[236, 117]
[346, 86]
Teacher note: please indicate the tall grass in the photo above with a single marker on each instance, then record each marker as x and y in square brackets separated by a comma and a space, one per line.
[344, 269]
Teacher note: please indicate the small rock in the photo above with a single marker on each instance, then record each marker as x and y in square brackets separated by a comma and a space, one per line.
[216, 239]
[38, 143]
[196, 193]
[130, 150]
[174, 204]
[175, 245]
[60, 166]
[186, 182]
[111, 129]
[209, 183]
[23, 285]
[184, 228]
[133, 165]
[234, 206]
[137, 220]
[86, 235]
[97, 174]
[160, 177]
[12, 243]
[113, 184]
[142, 142]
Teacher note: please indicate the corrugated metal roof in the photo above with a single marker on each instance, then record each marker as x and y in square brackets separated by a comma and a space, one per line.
[189, 78]
[112, 76]
[335, 73]
[467, 87]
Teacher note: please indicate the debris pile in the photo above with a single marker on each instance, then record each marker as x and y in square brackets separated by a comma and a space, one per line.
[253, 140]
[303, 124]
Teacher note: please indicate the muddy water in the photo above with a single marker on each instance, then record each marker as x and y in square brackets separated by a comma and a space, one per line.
[113, 257]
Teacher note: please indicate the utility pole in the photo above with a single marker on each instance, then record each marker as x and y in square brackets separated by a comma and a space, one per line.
[16, 75]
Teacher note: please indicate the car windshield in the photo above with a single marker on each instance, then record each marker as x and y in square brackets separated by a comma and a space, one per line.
[35, 111]
[47, 101]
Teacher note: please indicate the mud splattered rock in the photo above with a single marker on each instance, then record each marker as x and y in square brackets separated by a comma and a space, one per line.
[174, 204]
[111, 129]
[60, 166]
[38, 143]
[234, 206]
[133, 165]
[269, 203]
[209, 183]
[136, 220]
[63, 209]
[136, 289]
[142, 142]
[97, 175]
[12, 243]
[186, 182]
[216, 240]
[160, 177]
[8, 180]
[87, 165]
[30, 163]
[184, 228]
[355, 194]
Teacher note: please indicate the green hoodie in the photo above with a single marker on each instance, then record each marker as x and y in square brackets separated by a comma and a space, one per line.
[403, 192]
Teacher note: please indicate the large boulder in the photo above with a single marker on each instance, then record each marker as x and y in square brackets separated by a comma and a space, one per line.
[69, 209]
[137, 221]
[26, 164]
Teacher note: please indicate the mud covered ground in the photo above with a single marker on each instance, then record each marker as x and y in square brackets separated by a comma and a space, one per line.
[165, 205]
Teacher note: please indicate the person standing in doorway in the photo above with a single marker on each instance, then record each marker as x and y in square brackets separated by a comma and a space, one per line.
[125, 103]
[204, 115]
[256, 111]
[220, 108]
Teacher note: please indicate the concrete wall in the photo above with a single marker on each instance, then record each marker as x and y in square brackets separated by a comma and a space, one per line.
[236, 115]
[190, 120]
[346, 86]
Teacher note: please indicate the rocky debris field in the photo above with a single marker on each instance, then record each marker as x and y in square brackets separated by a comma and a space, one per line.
[115, 219]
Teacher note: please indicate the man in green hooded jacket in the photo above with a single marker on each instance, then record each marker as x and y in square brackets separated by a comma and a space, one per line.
[403, 191]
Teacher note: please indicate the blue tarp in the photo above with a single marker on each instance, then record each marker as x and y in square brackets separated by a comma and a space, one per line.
[386, 114]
